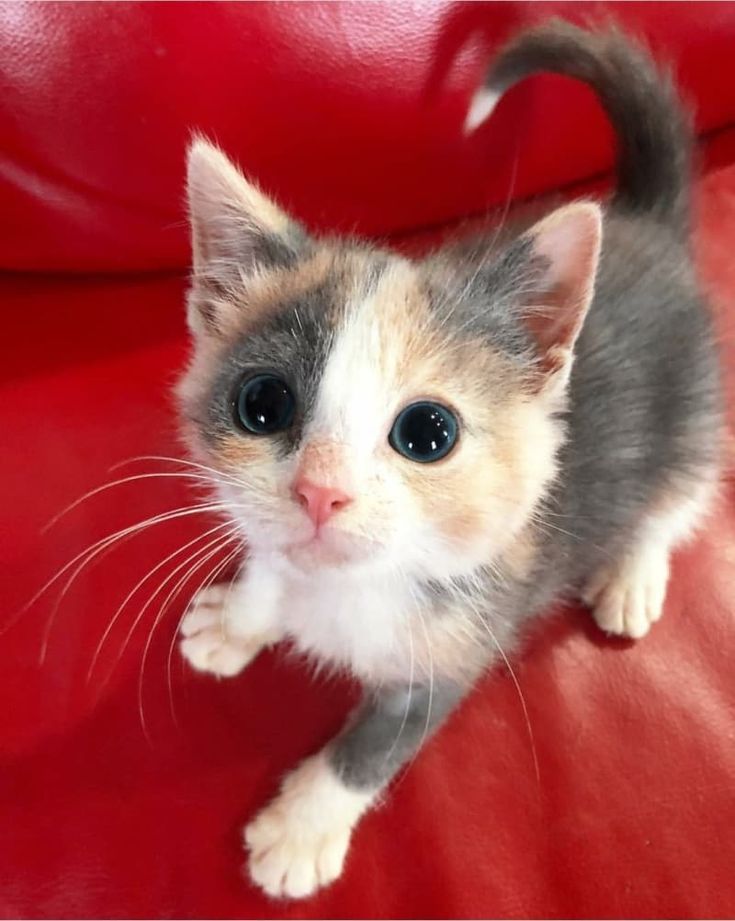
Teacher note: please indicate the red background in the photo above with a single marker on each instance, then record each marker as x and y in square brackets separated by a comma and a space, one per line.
[351, 115]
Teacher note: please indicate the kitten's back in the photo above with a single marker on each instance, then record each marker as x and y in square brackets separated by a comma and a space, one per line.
[645, 415]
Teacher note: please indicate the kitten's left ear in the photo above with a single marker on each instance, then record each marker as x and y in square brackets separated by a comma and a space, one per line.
[236, 229]
[566, 246]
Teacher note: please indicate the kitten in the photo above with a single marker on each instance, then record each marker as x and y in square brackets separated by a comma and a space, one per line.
[424, 454]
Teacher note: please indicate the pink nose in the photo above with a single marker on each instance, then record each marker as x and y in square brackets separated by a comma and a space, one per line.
[320, 502]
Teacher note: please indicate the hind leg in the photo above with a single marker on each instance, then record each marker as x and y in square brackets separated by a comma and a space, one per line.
[627, 596]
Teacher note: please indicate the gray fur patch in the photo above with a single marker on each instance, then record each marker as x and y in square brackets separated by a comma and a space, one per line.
[294, 341]
[388, 730]
[490, 287]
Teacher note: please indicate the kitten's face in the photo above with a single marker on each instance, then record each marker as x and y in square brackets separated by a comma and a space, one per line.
[305, 356]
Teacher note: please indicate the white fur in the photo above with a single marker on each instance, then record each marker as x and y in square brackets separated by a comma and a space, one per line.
[348, 620]
[298, 843]
[227, 626]
[372, 627]
[363, 387]
[353, 622]
[628, 597]
[357, 395]
[481, 108]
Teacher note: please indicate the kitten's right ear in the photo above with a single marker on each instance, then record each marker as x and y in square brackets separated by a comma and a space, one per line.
[236, 230]
[565, 246]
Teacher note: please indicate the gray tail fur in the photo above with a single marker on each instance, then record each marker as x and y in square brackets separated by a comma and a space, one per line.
[653, 131]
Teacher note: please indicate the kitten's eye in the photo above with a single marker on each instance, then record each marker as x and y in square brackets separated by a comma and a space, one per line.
[424, 432]
[264, 405]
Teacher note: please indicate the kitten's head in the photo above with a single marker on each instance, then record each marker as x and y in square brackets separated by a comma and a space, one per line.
[370, 411]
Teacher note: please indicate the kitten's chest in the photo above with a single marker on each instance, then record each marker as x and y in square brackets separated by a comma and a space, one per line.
[377, 629]
[359, 624]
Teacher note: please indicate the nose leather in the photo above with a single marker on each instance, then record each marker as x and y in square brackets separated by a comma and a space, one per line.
[320, 502]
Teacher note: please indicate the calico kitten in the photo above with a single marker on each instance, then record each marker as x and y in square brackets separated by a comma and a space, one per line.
[424, 454]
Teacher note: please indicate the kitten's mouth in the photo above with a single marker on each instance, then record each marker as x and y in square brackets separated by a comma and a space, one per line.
[328, 547]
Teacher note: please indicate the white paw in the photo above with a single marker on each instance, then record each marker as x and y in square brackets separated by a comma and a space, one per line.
[298, 843]
[209, 644]
[627, 599]
[288, 860]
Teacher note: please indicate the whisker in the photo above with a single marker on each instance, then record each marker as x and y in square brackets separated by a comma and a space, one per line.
[232, 584]
[208, 580]
[103, 540]
[120, 482]
[543, 524]
[490, 247]
[93, 551]
[427, 723]
[218, 567]
[418, 609]
[144, 608]
[408, 699]
[140, 583]
[517, 684]
[177, 460]
[431, 679]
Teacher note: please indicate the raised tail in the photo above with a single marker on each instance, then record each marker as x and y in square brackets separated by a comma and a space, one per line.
[654, 137]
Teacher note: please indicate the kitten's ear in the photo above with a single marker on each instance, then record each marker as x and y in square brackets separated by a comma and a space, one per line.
[566, 247]
[236, 230]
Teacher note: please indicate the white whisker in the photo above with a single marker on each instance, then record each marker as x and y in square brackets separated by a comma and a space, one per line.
[92, 552]
[141, 583]
[221, 544]
[408, 699]
[208, 580]
[429, 706]
[178, 460]
[120, 482]
[160, 588]
[517, 684]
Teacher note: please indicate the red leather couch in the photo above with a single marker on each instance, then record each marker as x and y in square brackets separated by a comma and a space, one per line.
[124, 777]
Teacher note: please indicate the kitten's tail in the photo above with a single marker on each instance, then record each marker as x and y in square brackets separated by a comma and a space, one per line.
[653, 130]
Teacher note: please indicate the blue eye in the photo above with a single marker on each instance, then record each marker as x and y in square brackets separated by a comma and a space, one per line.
[264, 404]
[424, 432]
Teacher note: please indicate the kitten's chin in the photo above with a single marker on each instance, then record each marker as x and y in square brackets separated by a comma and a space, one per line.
[331, 549]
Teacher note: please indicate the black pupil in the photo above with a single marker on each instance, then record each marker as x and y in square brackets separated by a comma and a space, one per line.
[265, 404]
[424, 432]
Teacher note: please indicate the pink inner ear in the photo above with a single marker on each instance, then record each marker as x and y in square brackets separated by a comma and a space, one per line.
[568, 240]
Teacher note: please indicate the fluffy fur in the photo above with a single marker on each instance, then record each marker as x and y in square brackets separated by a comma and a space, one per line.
[579, 360]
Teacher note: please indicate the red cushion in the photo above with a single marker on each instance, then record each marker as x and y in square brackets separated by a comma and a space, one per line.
[349, 112]
[111, 807]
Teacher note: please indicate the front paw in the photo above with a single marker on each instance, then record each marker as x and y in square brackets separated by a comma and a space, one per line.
[209, 645]
[298, 843]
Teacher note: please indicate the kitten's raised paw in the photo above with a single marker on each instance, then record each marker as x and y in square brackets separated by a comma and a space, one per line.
[208, 644]
[628, 598]
[298, 843]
